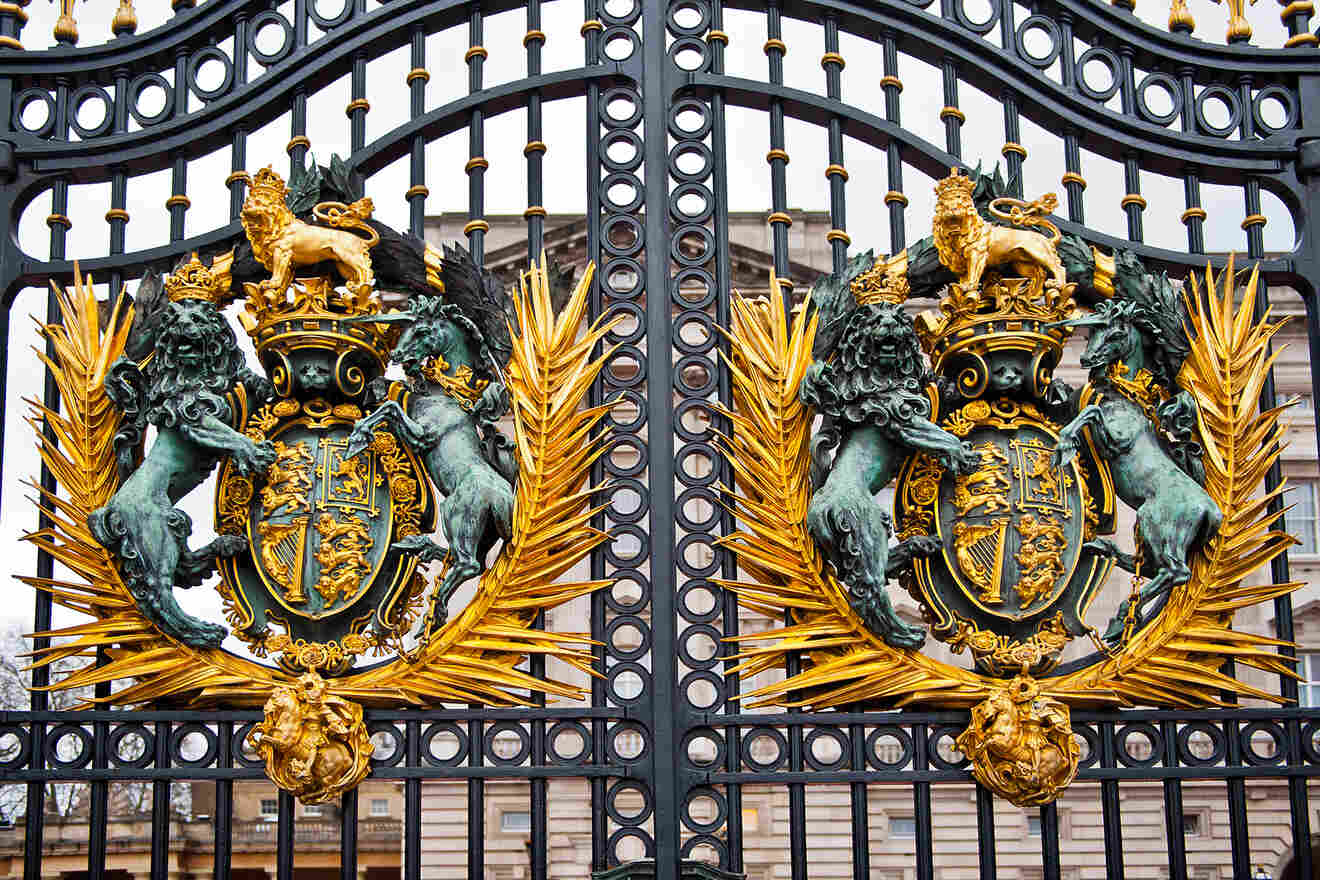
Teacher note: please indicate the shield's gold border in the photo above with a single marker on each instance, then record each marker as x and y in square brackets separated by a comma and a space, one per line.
[1174, 661]
[471, 660]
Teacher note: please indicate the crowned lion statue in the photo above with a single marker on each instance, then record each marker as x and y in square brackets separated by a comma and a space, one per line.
[192, 386]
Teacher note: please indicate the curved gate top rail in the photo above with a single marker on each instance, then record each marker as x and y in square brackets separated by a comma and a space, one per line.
[669, 762]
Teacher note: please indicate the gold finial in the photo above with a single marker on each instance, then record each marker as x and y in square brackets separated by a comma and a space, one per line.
[66, 27]
[125, 20]
[1239, 29]
[1180, 18]
[195, 280]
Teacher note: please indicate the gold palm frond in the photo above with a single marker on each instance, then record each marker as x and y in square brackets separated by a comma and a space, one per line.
[78, 450]
[551, 371]
[472, 659]
[1174, 661]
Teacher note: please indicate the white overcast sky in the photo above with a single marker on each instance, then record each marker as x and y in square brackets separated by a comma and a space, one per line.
[565, 177]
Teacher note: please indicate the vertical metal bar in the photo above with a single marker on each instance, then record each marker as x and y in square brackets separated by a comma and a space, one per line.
[298, 143]
[477, 164]
[348, 836]
[538, 806]
[985, 832]
[412, 804]
[284, 838]
[98, 808]
[178, 202]
[797, 791]
[238, 146]
[950, 113]
[1240, 842]
[358, 106]
[1173, 806]
[1194, 217]
[1013, 151]
[476, 801]
[223, 820]
[719, 184]
[599, 822]
[417, 79]
[1049, 841]
[535, 149]
[1111, 813]
[1073, 182]
[832, 62]
[34, 821]
[1133, 203]
[860, 811]
[666, 705]
[778, 156]
[894, 198]
[921, 804]
[160, 807]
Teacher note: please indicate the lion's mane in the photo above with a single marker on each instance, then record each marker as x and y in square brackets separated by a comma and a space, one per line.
[167, 393]
[861, 384]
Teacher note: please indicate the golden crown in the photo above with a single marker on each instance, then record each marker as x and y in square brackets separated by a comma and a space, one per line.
[885, 281]
[195, 280]
[1005, 313]
[267, 186]
[313, 314]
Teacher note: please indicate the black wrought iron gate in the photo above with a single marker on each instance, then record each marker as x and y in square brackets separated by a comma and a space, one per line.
[667, 750]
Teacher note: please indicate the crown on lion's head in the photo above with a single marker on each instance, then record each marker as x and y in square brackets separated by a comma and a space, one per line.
[196, 280]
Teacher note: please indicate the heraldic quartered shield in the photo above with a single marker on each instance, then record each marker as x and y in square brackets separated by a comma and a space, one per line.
[1011, 531]
[321, 524]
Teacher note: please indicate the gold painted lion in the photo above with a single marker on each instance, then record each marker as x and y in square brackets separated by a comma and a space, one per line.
[967, 244]
[282, 243]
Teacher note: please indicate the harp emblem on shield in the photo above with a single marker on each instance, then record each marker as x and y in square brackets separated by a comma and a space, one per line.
[282, 547]
[980, 553]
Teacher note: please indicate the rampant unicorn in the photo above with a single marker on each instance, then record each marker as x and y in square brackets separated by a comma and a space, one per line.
[453, 350]
[1143, 425]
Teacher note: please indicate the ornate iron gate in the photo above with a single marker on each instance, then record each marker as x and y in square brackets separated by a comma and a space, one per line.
[657, 114]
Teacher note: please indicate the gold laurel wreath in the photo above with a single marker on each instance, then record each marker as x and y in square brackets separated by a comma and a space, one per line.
[471, 659]
[1174, 661]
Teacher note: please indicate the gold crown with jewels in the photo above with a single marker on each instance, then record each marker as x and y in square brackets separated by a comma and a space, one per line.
[317, 315]
[195, 280]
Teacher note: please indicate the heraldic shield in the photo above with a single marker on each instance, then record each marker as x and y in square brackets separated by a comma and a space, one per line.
[321, 526]
[1012, 532]
[321, 523]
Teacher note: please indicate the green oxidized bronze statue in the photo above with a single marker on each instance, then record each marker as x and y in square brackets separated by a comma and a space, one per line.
[1144, 426]
[194, 390]
[869, 381]
[453, 351]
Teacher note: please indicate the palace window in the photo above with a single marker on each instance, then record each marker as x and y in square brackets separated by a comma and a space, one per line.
[380, 807]
[515, 822]
[1308, 689]
[312, 810]
[1302, 518]
[270, 807]
[1033, 826]
[902, 826]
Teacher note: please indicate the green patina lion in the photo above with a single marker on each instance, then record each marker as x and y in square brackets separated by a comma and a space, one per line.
[868, 380]
[187, 392]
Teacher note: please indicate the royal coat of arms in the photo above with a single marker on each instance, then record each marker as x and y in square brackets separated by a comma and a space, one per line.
[1006, 482]
[349, 507]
